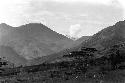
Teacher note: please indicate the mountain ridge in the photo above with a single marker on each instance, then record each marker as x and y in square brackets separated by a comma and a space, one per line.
[102, 40]
[33, 39]
[113, 33]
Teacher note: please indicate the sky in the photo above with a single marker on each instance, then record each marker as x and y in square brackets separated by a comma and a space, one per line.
[74, 18]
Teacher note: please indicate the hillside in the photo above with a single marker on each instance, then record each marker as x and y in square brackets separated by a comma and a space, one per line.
[103, 64]
[33, 40]
[102, 40]
[83, 66]
[81, 39]
[10, 55]
[107, 37]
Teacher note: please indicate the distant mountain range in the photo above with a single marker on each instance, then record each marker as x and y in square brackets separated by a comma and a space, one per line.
[37, 43]
[107, 37]
[97, 58]
[76, 65]
[102, 40]
[33, 40]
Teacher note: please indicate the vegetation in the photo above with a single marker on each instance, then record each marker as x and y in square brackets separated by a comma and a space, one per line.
[81, 66]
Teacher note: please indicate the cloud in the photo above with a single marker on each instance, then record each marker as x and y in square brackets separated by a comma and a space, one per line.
[48, 13]
[88, 1]
[74, 30]
[105, 2]
[62, 13]
[12, 11]
[122, 2]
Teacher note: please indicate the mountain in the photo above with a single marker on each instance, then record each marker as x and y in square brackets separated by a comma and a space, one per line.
[107, 37]
[10, 55]
[103, 64]
[75, 46]
[33, 40]
[104, 39]
[82, 39]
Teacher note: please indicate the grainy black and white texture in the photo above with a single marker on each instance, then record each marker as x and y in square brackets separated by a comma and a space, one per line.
[62, 41]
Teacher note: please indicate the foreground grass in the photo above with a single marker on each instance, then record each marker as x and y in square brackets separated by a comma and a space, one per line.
[116, 76]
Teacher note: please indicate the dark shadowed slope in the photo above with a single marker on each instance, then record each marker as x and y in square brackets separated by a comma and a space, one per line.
[10, 55]
[107, 37]
[33, 40]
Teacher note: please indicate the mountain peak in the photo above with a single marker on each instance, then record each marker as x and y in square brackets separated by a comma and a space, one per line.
[120, 23]
[33, 40]
[4, 25]
[108, 36]
[33, 24]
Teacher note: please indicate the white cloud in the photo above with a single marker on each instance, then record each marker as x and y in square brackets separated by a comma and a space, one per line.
[122, 2]
[17, 12]
[74, 30]
[114, 3]
[48, 13]
[89, 1]
[106, 2]
[11, 11]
